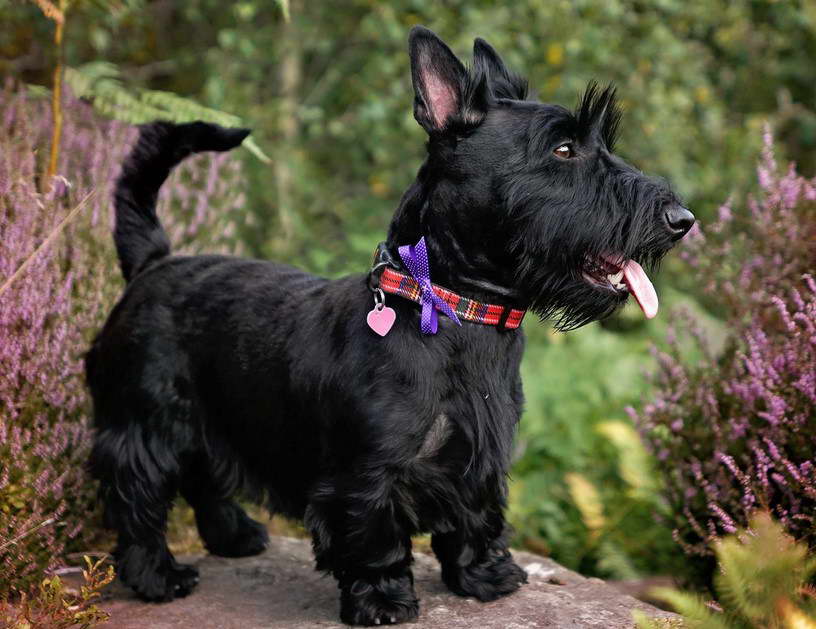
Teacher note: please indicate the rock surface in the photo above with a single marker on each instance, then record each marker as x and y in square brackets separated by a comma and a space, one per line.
[281, 590]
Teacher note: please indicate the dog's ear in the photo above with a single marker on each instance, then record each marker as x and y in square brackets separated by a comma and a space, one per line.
[503, 82]
[445, 97]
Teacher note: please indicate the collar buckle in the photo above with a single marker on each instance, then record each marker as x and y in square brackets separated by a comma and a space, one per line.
[382, 259]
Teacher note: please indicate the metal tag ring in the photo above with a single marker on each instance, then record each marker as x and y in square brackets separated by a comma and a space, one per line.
[379, 298]
[374, 276]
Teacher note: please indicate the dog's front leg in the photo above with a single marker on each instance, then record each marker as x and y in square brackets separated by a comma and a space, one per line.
[361, 535]
[475, 558]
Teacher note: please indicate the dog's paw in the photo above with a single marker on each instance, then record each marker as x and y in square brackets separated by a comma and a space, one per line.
[389, 601]
[156, 578]
[175, 581]
[251, 539]
[181, 579]
[498, 575]
[228, 531]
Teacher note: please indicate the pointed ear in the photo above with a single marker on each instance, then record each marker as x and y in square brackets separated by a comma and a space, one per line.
[503, 82]
[442, 92]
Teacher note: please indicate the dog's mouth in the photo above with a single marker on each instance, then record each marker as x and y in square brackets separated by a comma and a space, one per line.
[624, 277]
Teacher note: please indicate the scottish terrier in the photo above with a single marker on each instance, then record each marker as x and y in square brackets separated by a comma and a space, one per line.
[370, 421]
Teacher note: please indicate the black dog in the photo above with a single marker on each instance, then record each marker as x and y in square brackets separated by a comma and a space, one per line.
[216, 375]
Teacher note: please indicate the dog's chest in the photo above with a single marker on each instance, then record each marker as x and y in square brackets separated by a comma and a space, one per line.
[476, 410]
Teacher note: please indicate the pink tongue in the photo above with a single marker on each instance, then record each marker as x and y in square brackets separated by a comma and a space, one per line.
[641, 287]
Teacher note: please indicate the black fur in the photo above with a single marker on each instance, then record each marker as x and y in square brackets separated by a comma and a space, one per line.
[216, 375]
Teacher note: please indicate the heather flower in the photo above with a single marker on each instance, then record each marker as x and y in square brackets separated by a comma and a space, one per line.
[50, 312]
[738, 431]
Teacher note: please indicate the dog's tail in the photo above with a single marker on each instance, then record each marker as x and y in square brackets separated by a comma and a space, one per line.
[139, 236]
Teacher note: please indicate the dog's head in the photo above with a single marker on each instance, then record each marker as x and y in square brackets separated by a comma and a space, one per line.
[530, 196]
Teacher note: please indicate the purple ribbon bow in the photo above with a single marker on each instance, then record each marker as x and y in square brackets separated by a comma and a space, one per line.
[415, 258]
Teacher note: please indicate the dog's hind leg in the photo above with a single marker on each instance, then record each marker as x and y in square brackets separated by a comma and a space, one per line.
[138, 473]
[223, 524]
[361, 534]
[475, 558]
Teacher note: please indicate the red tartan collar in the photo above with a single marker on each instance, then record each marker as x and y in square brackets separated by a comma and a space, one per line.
[384, 276]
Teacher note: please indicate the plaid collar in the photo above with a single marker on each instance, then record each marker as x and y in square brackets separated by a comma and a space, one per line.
[386, 274]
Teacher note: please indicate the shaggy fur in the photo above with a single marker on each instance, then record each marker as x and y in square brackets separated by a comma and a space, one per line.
[215, 375]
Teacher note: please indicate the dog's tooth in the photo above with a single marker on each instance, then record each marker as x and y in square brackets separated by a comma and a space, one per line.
[616, 278]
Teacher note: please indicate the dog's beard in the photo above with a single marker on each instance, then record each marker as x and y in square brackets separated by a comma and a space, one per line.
[592, 284]
[570, 301]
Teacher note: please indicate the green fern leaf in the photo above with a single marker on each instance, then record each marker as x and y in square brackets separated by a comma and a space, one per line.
[693, 608]
[761, 583]
[100, 83]
[644, 621]
[759, 567]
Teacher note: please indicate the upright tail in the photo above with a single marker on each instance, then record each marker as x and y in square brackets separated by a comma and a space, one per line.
[139, 236]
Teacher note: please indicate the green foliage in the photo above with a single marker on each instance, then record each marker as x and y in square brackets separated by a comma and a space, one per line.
[762, 583]
[576, 386]
[56, 607]
[100, 83]
[682, 69]
[698, 78]
[284, 7]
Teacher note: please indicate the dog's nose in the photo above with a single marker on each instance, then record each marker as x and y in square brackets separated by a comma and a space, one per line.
[679, 220]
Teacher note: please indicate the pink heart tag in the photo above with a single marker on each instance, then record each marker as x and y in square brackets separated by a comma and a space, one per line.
[381, 320]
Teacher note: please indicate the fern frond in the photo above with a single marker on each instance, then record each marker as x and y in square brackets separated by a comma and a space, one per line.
[644, 621]
[758, 567]
[761, 583]
[693, 608]
[615, 561]
[634, 463]
[188, 110]
[100, 83]
[588, 500]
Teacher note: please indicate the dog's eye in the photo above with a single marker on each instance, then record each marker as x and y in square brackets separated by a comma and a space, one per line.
[565, 151]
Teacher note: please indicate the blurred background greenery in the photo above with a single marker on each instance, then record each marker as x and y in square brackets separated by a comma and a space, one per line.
[326, 88]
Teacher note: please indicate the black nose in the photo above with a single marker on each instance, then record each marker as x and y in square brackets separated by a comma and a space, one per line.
[679, 221]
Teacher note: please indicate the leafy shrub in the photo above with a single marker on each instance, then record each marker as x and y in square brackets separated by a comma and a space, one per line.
[736, 430]
[55, 607]
[762, 583]
[49, 311]
[583, 490]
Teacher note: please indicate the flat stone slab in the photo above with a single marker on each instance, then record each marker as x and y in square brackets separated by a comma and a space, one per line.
[281, 590]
